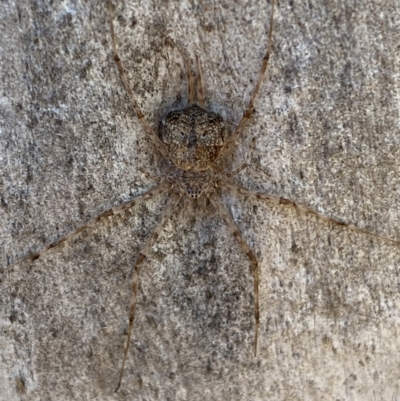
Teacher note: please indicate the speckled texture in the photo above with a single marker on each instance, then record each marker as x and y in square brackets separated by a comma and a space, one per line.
[194, 137]
[326, 130]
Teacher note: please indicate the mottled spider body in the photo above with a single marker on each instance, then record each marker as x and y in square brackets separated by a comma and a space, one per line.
[194, 137]
[193, 183]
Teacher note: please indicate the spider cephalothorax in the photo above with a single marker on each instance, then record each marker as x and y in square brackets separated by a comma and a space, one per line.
[194, 183]
[194, 137]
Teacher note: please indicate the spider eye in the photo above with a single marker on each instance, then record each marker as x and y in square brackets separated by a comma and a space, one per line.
[182, 134]
[204, 135]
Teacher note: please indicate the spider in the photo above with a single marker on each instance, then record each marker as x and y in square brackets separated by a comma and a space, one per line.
[195, 143]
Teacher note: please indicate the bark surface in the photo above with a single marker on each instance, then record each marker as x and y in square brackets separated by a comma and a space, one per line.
[326, 130]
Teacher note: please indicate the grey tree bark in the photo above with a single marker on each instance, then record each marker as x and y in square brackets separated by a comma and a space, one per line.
[326, 131]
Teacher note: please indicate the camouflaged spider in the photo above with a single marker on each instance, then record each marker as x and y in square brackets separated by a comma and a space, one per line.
[194, 141]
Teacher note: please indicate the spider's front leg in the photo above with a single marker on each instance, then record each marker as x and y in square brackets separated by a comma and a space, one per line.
[232, 187]
[235, 231]
[173, 202]
[159, 189]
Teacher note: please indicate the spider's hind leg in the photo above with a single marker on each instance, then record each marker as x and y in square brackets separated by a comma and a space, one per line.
[250, 105]
[152, 134]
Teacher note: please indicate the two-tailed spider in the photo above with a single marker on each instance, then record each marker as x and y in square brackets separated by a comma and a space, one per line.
[194, 144]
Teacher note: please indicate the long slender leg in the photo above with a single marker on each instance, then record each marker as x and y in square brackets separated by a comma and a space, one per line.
[164, 186]
[244, 165]
[149, 175]
[175, 199]
[153, 136]
[236, 188]
[250, 106]
[234, 230]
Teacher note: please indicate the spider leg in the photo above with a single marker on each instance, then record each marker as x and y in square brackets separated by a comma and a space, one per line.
[110, 212]
[236, 171]
[244, 165]
[173, 202]
[150, 175]
[234, 230]
[250, 106]
[153, 136]
[277, 200]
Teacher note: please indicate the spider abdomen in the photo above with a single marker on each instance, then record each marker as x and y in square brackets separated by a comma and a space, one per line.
[194, 137]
